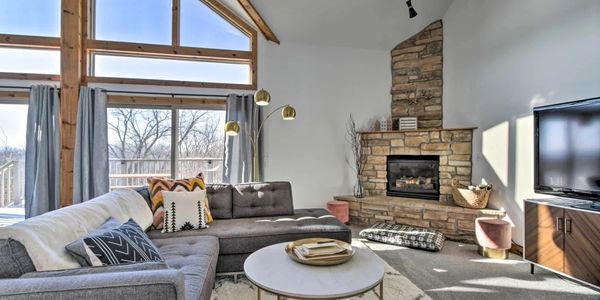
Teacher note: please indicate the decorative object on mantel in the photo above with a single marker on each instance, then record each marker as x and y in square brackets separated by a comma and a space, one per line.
[470, 196]
[359, 158]
[407, 123]
[319, 251]
[232, 128]
[385, 124]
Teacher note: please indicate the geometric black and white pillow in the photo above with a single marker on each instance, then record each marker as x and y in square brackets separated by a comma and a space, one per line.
[184, 210]
[405, 235]
[125, 244]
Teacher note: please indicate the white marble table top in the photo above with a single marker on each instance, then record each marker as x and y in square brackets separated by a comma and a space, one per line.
[271, 269]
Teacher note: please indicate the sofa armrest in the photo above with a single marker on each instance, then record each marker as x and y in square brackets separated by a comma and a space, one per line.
[153, 284]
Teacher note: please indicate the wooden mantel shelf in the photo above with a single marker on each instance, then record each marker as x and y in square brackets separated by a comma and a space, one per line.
[421, 130]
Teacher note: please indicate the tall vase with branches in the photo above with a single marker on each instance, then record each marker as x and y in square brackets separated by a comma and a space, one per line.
[358, 159]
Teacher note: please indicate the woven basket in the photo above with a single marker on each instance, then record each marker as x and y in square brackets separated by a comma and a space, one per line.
[465, 197]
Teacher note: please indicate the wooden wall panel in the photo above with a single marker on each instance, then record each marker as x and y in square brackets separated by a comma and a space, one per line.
[70, 67]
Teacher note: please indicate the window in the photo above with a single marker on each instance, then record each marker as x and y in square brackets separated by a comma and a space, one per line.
[141, 139]
[30, 31]
[169, 42]
[139, 21]
[30, 17]
[170, 69]
[195, 16]
[35, 61]
[13, 126]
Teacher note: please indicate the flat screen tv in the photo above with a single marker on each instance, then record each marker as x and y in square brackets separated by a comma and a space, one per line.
[567, 149]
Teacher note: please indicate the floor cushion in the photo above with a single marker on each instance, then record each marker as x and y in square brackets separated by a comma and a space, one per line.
[405, 235]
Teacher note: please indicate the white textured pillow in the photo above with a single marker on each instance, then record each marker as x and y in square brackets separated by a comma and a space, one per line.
[184, 210]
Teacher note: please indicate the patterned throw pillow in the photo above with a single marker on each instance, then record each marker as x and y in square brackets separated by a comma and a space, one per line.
[184, 211]
[405, 236]
[157, 185]
[123, 245]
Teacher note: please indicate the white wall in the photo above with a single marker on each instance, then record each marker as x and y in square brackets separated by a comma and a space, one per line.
[502, 58]
[325, 85]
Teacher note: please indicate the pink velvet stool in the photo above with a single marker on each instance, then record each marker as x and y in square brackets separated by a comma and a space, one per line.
[493, 236]
[339, 209]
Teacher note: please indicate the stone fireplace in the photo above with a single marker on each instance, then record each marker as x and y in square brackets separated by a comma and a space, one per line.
[413, 176]
[450, 148]
[406, 170]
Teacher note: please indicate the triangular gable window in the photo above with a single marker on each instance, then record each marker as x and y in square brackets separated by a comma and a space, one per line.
[202, 27]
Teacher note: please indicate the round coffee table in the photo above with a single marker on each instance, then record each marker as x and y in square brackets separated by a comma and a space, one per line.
[272, 270]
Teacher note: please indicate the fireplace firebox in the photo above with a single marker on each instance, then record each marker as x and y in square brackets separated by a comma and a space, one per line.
[413, 176]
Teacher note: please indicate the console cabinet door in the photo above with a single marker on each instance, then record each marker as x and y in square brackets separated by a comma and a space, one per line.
[582, 245]
[544, 237]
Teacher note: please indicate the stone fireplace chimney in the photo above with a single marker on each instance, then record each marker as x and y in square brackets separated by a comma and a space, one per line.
[417, 77]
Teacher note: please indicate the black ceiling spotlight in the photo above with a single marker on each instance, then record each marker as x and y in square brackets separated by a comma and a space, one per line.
[411, 10]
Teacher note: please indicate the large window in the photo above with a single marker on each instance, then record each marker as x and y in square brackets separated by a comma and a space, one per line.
[141, 144]
[13, 126]
[169, 42]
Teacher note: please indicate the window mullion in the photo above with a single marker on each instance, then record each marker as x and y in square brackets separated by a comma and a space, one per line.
[175, 23]
[174, 141]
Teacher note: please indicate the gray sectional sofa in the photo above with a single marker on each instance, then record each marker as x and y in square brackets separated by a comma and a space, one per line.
[247, 217]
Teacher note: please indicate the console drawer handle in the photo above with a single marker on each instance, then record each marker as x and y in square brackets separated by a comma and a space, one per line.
[568, 226]
[560, 224]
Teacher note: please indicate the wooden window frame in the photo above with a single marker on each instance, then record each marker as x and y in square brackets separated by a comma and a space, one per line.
[174, 51]
[29, 42]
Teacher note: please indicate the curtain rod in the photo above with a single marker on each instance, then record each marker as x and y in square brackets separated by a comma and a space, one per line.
[14, 87]
[168, 94]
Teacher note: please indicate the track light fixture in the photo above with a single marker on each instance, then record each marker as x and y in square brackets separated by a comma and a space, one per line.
[411, 10]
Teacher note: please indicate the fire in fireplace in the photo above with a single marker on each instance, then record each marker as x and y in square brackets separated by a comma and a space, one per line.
[413, 176]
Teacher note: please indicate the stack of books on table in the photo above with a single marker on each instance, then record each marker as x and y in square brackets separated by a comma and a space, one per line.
[321, 251]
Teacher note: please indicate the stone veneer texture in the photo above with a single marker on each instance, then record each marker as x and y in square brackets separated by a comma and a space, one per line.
[457, 223]
[454, 146]
[417, 77]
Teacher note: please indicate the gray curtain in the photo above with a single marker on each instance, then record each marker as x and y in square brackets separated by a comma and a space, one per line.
[90, 166]
[238, 149]
[42, 152]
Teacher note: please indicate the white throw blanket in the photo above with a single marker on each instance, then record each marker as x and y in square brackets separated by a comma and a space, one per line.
[46, 236]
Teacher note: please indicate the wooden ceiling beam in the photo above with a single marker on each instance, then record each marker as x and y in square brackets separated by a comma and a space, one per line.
[259, 21]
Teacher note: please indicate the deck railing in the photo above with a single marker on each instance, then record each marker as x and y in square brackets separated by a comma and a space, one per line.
[11, 183]
[129, 173]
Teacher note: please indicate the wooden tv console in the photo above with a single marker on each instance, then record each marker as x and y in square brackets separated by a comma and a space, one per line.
[563, 238]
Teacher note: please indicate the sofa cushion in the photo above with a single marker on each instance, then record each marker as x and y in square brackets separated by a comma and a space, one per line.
[104, 269]
[14, 260]
[262, 199]
[157, 185]
[196, 257]
[184, 211]
[124, 244]
[246, 235]
[78, 248]
[220, 200]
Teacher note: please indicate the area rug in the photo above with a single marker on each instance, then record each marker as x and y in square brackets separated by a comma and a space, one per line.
[395, 286]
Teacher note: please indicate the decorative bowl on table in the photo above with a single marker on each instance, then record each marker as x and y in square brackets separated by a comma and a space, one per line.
[319, 251]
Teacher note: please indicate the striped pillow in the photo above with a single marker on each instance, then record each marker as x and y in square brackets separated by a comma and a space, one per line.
[156, 185]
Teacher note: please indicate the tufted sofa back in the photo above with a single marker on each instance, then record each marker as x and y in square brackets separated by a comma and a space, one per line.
[246, 200]
[262, 199]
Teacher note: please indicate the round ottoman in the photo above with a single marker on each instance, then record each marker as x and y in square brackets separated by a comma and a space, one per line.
[493, 237]
[339, 209]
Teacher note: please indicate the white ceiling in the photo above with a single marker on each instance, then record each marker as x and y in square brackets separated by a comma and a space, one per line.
[368, 24]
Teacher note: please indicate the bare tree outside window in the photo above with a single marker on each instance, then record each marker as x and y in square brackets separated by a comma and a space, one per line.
[140, 144]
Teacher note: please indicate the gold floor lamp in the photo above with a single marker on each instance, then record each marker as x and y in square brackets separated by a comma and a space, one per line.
[232, 128]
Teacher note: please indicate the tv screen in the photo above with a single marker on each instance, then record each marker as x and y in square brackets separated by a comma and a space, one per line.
[568, 149]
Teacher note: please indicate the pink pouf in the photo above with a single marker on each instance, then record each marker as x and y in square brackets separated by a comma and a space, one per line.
[493, 237]
[339, 209]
